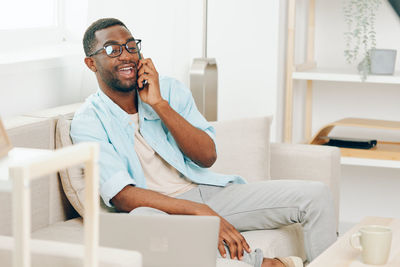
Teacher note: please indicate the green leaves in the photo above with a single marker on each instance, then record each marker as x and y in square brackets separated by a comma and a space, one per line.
[360, 16]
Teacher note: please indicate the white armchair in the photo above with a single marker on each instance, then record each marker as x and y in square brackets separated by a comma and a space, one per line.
[243, 148]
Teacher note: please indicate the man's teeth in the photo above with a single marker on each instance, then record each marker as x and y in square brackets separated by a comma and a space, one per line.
[129, 68]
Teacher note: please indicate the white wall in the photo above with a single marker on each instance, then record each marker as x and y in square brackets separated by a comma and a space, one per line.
[244, 38]
[33, 85]
[368, 191]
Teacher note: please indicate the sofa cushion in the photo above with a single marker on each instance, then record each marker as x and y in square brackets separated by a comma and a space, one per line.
[40, 206]
[72, 178]
[243, 148]
[70, 231]
[51, 113]
[30, 132]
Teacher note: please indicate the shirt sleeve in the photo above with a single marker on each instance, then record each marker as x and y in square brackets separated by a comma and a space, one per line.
[113, 173]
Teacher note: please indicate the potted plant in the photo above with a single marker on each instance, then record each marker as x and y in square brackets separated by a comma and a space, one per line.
[360, 16]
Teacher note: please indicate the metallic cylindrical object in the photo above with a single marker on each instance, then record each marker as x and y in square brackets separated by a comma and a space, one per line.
[204, 86]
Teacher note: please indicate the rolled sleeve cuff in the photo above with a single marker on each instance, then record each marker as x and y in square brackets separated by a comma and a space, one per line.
[114, 185]
[210, 133]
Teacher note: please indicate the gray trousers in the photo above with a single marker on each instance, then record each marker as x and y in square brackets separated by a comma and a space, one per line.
[270, 205]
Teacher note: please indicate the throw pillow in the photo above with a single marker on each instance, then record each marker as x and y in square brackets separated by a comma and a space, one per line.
[243, 148]
[72, 178]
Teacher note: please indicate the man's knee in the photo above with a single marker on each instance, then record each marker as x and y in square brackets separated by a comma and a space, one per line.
[318, 192]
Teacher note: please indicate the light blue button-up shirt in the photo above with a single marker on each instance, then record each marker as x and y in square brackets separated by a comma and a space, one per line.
[101, 120]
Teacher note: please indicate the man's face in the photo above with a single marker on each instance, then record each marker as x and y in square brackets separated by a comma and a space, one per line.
[119, 73]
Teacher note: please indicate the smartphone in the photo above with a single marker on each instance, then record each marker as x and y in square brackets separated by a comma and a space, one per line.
[145, 81]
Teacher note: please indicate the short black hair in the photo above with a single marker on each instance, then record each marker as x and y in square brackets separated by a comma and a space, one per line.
[89, 38]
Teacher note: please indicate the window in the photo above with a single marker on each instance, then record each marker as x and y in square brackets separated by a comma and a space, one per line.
[28, 14]
[52, 28]
[38, 22]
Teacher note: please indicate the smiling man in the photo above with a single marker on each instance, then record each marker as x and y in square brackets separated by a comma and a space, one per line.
[155, 148]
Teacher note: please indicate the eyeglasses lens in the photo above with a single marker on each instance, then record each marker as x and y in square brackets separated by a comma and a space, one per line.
[132, 46]
[115, 50]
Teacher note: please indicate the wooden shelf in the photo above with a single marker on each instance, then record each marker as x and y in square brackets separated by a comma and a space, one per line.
[382, 151]
[343, 75]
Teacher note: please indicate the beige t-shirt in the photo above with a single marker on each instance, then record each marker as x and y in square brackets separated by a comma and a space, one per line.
[160, 176]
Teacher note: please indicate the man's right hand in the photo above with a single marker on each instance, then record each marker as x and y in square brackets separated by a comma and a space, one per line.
[227, 235]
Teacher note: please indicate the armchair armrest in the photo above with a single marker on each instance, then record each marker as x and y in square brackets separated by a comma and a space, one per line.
[307, 162]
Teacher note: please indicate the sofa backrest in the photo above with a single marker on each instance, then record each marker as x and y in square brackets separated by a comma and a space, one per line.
[25, 131]
[48, 201]
[243, 148]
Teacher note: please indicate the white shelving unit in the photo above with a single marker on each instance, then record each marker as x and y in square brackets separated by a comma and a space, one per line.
[343, 75]
[310, 72]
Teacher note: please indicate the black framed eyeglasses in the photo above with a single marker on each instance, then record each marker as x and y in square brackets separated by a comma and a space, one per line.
[115, 50]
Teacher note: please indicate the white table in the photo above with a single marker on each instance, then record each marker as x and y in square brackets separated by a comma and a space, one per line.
[22, 165]
[342, 254]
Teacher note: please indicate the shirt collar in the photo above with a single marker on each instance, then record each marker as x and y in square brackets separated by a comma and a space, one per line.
[145, 110]
[115, 110]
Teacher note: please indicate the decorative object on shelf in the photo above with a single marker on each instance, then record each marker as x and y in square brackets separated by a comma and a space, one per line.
[360, 17]
[379, 149]
[5, 144]
[383, 61]
[359, 143]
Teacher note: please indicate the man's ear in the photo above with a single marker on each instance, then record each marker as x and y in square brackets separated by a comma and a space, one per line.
[90, 63]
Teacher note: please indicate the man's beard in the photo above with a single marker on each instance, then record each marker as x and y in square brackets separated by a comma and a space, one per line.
[115, 84]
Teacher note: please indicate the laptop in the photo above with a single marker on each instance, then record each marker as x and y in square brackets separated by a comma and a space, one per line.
[163, 240]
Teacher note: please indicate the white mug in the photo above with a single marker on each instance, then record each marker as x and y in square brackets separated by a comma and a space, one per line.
[374, 243]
